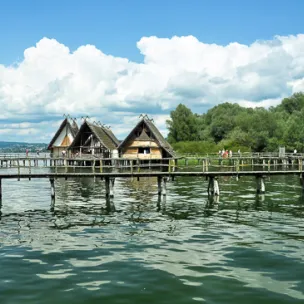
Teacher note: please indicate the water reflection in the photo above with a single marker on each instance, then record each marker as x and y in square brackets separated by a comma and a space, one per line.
[239, 242]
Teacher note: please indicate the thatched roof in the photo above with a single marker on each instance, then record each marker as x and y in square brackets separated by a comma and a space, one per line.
[103, 134]
[157, 136]
[73, 127]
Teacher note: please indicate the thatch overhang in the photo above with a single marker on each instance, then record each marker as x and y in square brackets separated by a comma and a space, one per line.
[157, 137]
[105, 136]
[65, 123]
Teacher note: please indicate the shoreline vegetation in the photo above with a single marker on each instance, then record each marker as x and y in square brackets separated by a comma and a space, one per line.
[230, 126]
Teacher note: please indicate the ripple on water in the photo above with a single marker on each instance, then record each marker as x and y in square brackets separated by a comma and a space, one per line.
[184, 248]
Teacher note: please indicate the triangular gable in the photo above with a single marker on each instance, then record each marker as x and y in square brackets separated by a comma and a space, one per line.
[143, 136]
[65, 123]
[66, 141]
[99, 132]
[156, 134]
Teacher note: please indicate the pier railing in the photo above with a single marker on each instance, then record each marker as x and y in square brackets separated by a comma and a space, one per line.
[110, 168]
[29, 165]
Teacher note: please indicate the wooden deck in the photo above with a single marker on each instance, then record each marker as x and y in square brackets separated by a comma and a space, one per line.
[164, 169]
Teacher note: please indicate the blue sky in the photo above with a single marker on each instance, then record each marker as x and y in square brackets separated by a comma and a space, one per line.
[114, 26]
[113, 59]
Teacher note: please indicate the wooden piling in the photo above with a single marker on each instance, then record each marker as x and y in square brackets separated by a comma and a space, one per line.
[29, 161]
[52, 181]
[159, 185]
[302, 181]
[18, 164]
[112, 181]
[213, 186]
[260, 184]
[107, 186]
[164, 188]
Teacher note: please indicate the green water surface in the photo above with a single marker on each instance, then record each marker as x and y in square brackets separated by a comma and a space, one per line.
[241, 248]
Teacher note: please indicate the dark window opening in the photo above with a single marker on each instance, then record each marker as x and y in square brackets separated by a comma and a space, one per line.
[144, 150]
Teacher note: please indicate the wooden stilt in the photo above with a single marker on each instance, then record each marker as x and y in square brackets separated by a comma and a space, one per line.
[210, 185]
[216, 189]
[0, 190]
[107, 185]
[302, 181]
[30, 171]
[164, 188]
[112, 181]
[52, 181]
[260, 185]
[159, 185]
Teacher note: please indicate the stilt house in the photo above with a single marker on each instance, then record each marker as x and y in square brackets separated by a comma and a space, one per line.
[145, 142]
[94, 139]
[63, 137]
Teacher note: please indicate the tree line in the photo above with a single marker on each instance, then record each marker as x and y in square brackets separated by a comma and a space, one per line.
[230, 126]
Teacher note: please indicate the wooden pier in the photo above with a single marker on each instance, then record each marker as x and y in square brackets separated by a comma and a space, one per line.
[210, 168]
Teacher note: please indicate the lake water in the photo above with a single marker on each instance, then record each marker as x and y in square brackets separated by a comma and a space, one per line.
[242, 248]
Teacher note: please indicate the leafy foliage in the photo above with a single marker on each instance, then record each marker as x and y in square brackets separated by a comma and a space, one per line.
[230, 126]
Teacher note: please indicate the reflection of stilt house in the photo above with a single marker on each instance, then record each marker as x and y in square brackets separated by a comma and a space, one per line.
[145, 142]
[63, 138]
[94, 139]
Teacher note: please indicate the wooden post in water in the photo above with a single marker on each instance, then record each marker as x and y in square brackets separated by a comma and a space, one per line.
[213, 186]
[52, 181]
[18, 169]
[29, 161]
[164, 188]
[260, 184]
[0, 191]
[301, 181]
[159, 185]
[216, 189]
[112, 181]
[107, 185]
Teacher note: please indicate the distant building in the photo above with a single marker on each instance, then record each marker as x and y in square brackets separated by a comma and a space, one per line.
[145, 142]
[94, 139]
[63, 137]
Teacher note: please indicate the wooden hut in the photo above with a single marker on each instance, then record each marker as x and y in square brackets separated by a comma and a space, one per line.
[145, 142]
[63, 138]
[94, 139]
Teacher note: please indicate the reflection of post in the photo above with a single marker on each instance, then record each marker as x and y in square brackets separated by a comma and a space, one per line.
[110, 205]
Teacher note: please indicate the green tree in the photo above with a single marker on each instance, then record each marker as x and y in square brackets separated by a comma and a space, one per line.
[182, 125]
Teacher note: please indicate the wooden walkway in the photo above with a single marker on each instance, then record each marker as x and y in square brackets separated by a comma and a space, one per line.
[164, 169]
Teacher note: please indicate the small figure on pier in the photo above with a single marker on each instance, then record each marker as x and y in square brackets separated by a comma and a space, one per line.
[295, 152]
[230, 153]
[239, 152]
[26, 152]
[63, 153]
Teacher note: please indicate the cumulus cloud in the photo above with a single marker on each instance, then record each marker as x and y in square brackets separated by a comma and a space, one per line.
[52, 80]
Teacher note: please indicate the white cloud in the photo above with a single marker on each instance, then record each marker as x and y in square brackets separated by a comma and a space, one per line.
[52, 80]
